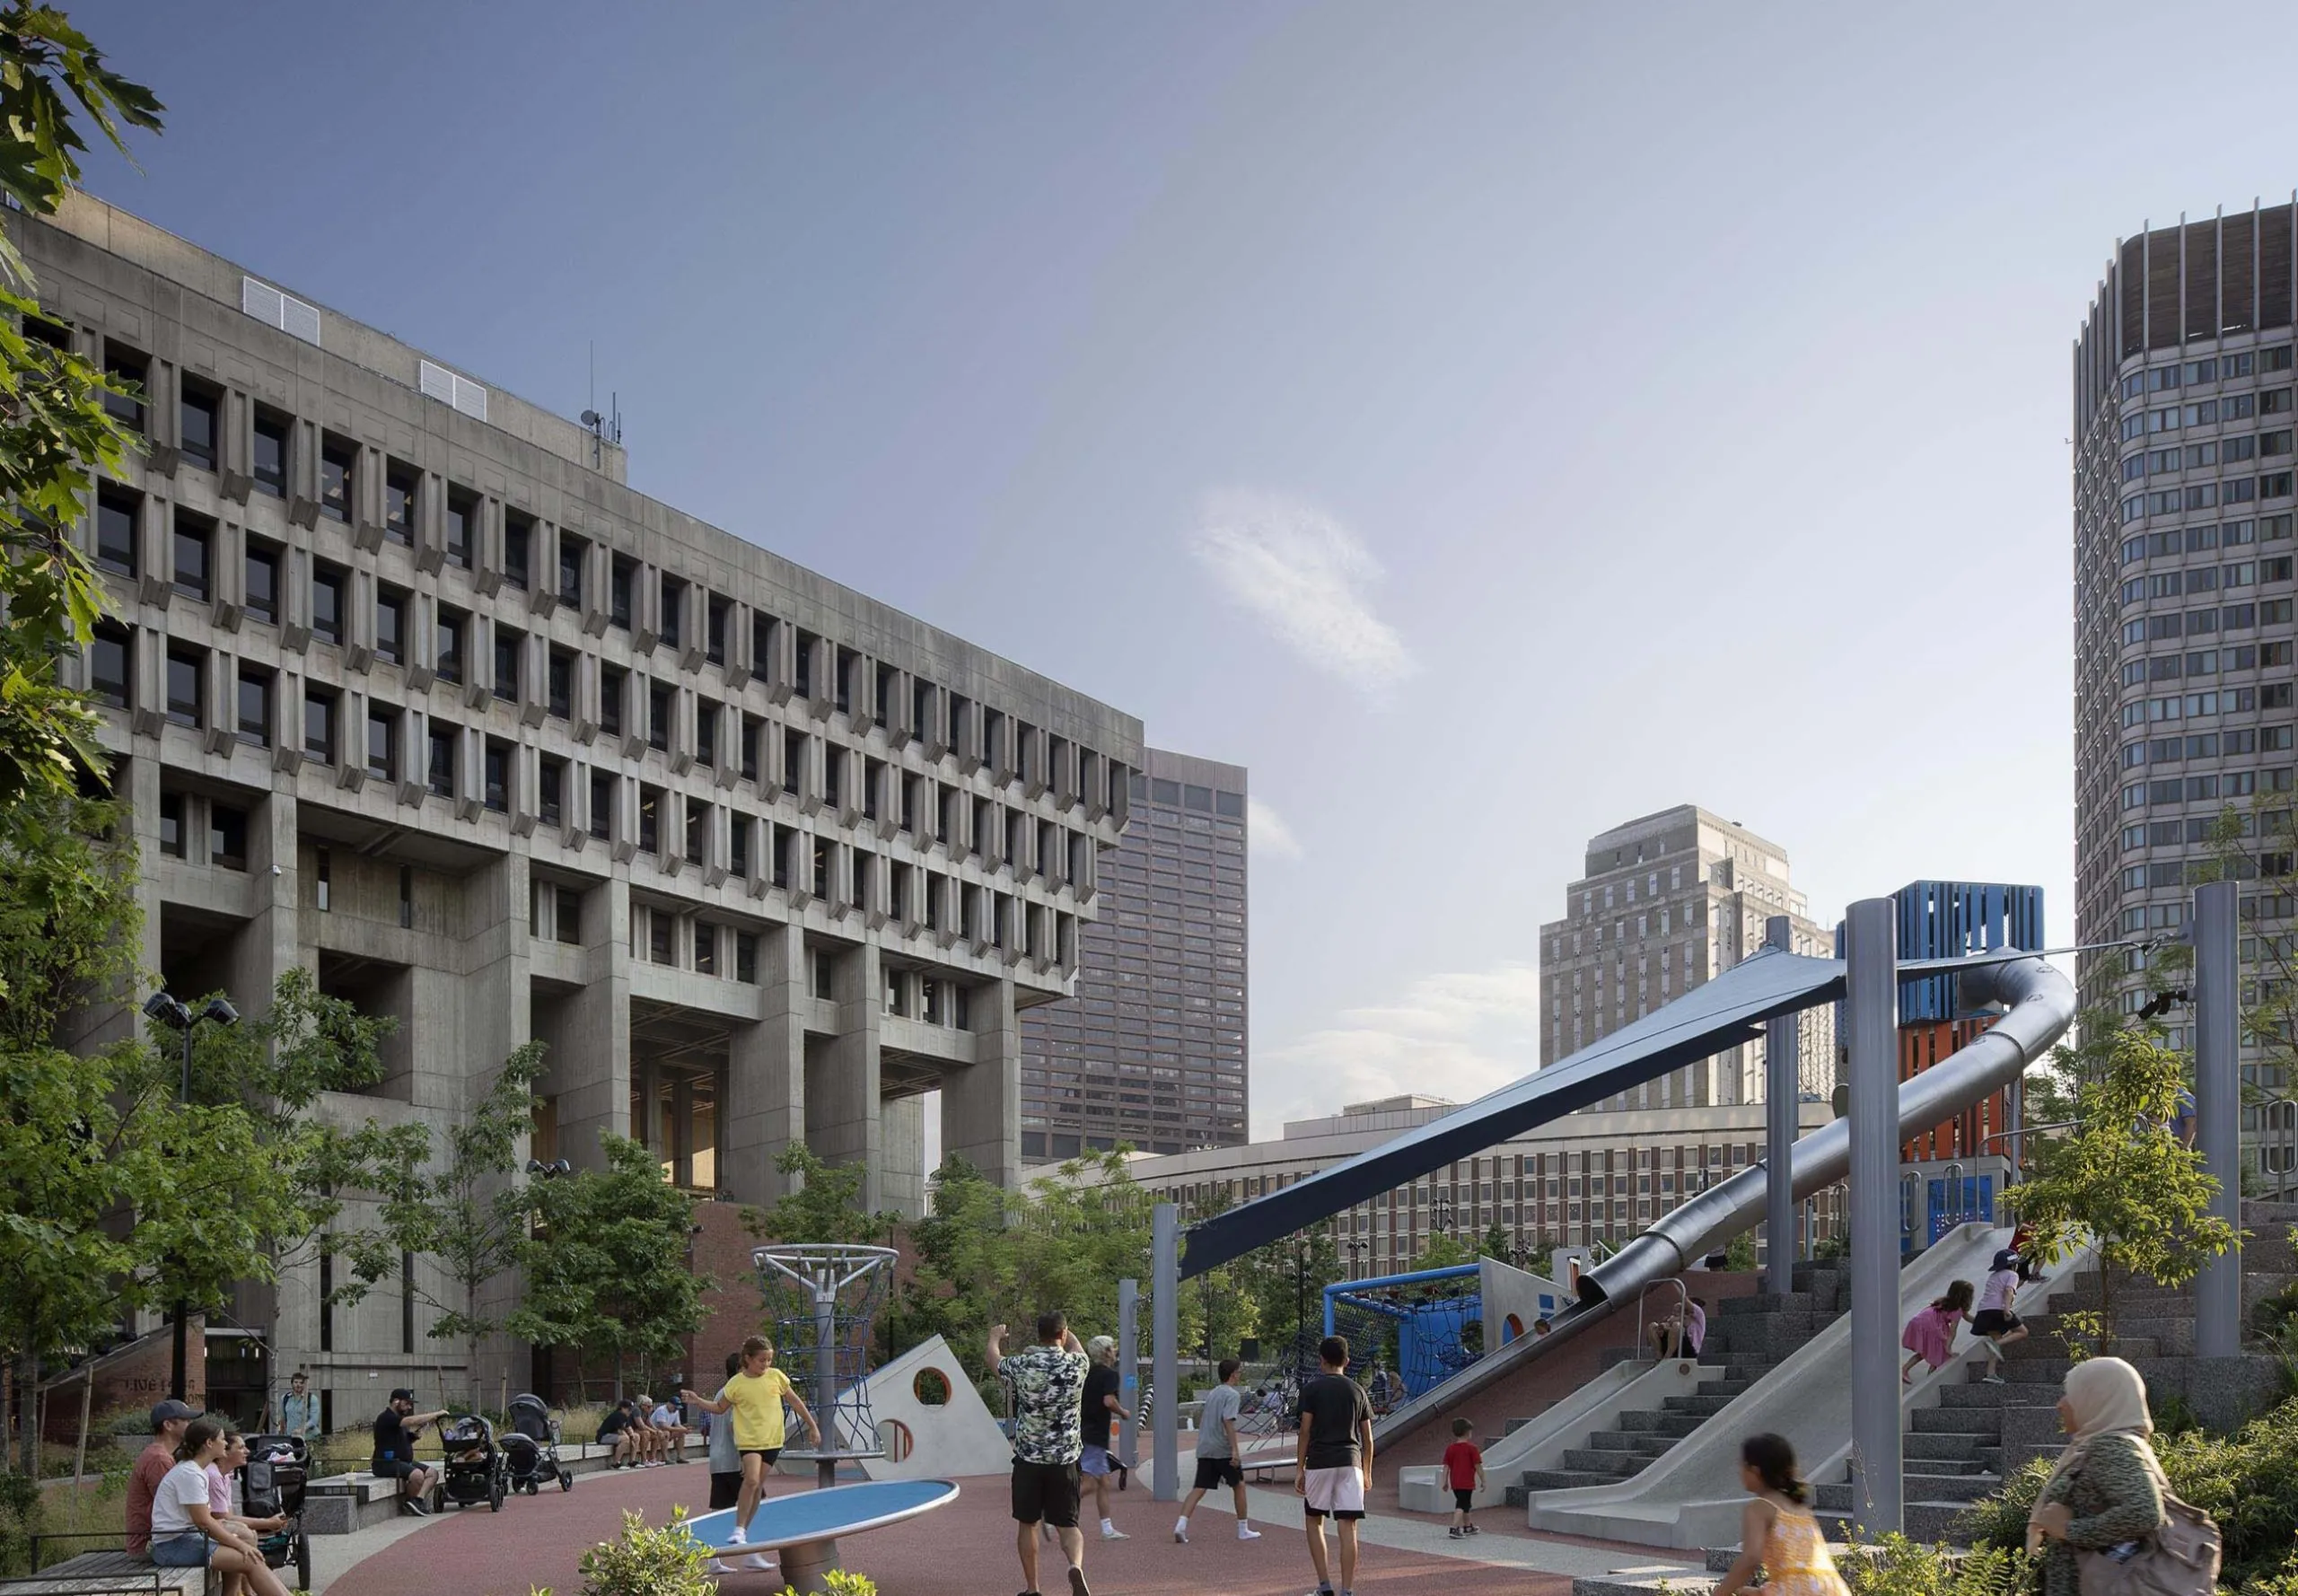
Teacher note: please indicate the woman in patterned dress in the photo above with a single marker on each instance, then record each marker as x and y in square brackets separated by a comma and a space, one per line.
[2105, 1492]
[1778, 1533]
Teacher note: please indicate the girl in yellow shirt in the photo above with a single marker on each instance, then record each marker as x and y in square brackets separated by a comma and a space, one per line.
[755, 1398]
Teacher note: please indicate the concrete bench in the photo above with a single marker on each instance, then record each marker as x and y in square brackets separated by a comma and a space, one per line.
[341, 1503]
[109, 1573]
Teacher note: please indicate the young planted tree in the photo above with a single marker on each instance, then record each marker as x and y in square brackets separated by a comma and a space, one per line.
[822, 1203]
[469, 1212]
[608, 1266]
[2119, 1177]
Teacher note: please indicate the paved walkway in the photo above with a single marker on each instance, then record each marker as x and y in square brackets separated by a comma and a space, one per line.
[965, 1550]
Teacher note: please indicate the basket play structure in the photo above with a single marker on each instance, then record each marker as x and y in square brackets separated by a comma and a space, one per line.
[822, 1299]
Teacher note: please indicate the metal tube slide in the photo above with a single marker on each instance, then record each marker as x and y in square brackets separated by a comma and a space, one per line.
[2040, 1006]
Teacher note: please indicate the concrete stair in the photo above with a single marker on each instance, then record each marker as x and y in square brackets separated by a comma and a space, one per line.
[1747, 1336]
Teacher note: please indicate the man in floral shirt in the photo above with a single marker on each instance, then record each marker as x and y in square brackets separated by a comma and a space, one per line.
[1048, 1385]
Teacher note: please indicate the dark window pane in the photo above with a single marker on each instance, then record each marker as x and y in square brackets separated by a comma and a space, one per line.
[318, 726]
[255, 708]
[115, 514]
[227, 837]
[185, 702]
[337, 461]
[270, 442]
[192, 543]
[109, 659]
[198, 426]
[263, 584]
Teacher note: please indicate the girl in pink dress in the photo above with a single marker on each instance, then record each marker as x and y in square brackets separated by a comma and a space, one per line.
[1930, 1336]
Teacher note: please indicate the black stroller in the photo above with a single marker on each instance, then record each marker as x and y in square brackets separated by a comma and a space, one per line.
[271, 1486]
[476, 1470]
[531, 1446]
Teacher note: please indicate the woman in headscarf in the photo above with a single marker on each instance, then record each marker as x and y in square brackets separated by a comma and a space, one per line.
[2105, 1492]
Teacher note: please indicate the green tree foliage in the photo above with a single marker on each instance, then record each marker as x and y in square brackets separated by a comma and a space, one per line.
[1497, 1243]
[55, 430]
[607, 1268]
[1740, 1252]
[987, 1256]
[2119, 1176]
[469, 1212]
[1444, 1251]
[822, 1204]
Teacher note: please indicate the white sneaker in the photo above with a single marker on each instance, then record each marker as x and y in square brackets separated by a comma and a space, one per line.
[1246, 1532]
[739, 1537]
[758, 1560]
[717, 1567]
[1180, 1532]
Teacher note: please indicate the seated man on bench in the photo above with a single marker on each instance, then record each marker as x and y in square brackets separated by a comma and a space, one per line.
[396, 1428]
[616, 1430]
[669, 1426]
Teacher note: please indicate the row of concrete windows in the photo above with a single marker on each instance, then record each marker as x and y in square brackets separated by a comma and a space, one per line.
[505, 548]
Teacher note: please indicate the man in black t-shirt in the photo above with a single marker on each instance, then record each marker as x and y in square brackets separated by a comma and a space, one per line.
[1096, 1407]
[1333, 1462]
[396, 1427]
[617, 1430]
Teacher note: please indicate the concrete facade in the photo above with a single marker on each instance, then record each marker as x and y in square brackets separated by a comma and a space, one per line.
[2184, 675]
[1153, 1050]
[410, 688]
[1665, 902]
[1600, 1174]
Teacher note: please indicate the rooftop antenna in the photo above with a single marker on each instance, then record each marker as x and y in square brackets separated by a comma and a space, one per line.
[603, 429]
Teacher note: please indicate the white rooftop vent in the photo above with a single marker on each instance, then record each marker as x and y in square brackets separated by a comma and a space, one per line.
[285, 311]
[462, 393]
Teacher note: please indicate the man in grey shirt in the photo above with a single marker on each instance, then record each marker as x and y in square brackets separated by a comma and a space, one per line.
[1217, 1447]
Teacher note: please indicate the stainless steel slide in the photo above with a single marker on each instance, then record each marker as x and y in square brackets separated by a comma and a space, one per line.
[2040, 1003]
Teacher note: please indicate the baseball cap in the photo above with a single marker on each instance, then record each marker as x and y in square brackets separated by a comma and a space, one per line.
[402, 1395]
[161, 1412]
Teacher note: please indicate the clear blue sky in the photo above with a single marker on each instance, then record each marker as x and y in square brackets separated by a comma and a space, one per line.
[1488, 422]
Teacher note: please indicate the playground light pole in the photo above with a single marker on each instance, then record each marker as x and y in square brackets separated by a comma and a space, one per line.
[162, 1009]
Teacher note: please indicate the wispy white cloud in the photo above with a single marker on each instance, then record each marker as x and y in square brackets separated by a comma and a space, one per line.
[1268, 833]
[1457, 1035]
[1305, 575]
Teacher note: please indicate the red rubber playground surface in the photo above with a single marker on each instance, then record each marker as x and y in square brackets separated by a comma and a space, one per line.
[963, 1550]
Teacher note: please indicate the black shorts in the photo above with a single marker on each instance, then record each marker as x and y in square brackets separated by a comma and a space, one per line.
[391, 1468]
[1046, 1493]
[725, 1491]
[1994, 1321]
[772, 1454]
[1464, 1500]
[1218, 1472]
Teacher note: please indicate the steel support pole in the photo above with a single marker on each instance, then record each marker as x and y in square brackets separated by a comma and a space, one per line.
[1129, 1371]
[1782, 1082]
[2218, 1108]
[1164, 1343]
[1871, 1012]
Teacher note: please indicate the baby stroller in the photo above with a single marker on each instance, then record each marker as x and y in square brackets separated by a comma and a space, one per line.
[476, 1470]
[532, 1446]
[271, 1486]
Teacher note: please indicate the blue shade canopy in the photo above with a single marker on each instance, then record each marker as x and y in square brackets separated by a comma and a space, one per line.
[1720, 1013]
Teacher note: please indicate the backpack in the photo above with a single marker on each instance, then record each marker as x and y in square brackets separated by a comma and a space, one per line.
[2179, 1558]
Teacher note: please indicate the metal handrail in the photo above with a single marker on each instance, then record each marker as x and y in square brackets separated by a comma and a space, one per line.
[1683, 1309]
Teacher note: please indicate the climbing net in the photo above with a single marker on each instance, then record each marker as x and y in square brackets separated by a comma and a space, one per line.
[821, 1301]
[1408, 1338]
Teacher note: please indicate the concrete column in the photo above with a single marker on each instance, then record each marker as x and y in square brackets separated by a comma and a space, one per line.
[1128, 1371]
[981, 1104]
[1870, 1011]
[843, 1109]
[590, 1053]
[2218, 1108]
[1164, 1339]
[901, 1129]
[1783, 1039]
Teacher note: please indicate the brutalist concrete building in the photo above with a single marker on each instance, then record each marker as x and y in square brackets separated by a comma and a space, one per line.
[1153, 1052]
[410, 688]
[2183, 630]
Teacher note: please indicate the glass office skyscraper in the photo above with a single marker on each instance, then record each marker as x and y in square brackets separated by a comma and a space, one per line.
[1151, 1050]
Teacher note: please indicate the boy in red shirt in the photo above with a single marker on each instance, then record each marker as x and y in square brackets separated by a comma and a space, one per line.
[1464, 1472]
